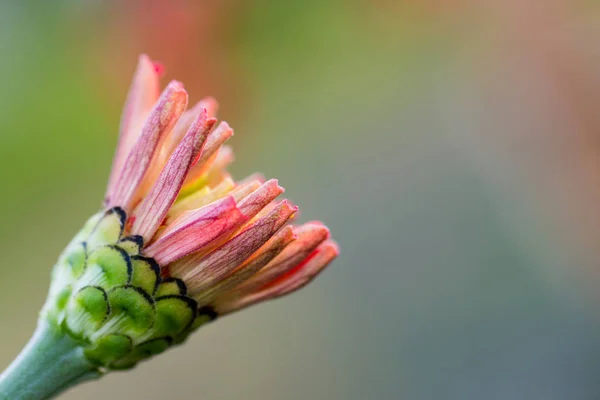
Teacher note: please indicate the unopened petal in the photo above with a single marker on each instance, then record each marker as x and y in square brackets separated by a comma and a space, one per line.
[309, 268]
[161, 119]
[210, 269]
[262, 196]
[155, 205]
[310, 236]
[243, 190]
[214, 142]
[185, 122]
[143, 93]
[196, 230]
[295, 279]
[251, 266]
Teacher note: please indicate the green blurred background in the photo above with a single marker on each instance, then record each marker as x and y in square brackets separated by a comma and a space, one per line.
[453, 147]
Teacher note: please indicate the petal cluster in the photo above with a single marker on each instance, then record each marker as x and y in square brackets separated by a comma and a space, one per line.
[227, 241]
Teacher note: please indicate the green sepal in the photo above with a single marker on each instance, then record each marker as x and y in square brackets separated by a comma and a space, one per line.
[76, 259]
[170, 287]
[55, 305]
[109, 228]
[109, 348]
[174, 315]
[60, 278]
[89, 226]
[132, 244]
[142, 351]
[132, 312]
[86, 311]
[203, 316]
[108, 267]
[87, 229]
[62, 298]
[146, 273]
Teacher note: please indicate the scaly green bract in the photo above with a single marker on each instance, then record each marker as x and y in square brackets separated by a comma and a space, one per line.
[113, 300]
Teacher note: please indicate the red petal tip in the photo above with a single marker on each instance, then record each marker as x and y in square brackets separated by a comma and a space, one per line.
[158, 68]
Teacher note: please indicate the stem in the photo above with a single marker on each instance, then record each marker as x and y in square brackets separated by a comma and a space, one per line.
[49, 364]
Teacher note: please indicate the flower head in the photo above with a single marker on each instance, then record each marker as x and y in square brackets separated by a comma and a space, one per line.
[178, 242]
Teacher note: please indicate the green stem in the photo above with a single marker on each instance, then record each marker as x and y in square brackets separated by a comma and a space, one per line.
[50, 363]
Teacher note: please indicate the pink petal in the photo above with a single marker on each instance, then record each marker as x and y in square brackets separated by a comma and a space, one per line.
[252, 265]
[269, 251]
[269, 207]
[143, 93]
[310, 236]
[169, 107]
[258, 199]
[155, 205]
[244, 189]
[185, 122]
[309, 268]
[220, 135]
[196, 230]
[215, 140]
[295, 279]
[200, 273]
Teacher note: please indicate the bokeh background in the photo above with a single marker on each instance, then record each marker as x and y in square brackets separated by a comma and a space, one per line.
[453, 147]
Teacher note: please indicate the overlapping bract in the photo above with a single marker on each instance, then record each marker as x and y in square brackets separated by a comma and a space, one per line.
[179, 241]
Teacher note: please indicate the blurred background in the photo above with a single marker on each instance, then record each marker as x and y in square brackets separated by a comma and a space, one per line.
[453, 147]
